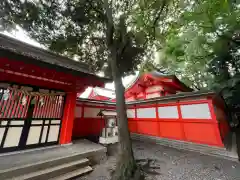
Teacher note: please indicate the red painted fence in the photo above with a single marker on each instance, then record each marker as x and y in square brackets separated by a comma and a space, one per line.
[194, 119]
[86, 120]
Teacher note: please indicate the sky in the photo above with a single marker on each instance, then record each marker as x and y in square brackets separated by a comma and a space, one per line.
[21, 35]
[126, 81]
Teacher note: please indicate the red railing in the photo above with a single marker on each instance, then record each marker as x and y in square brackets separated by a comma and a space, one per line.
[14, 104]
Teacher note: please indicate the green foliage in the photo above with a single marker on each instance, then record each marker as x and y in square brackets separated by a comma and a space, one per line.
[151, 18]
[187, 57]
[100, 33]
[77, 29]
[204, 48]
[196, 40]
[200, 44]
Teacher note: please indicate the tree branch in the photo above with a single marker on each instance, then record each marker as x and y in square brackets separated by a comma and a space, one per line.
[123, 47]
[216, 29]
[124, 39]
[158, 16]
[96, 9]
[109, 23]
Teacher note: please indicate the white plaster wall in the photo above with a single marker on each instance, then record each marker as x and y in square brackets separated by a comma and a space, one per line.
[78, 112]
[131, 113]
[196, 111]
[168, 112]
[153, 95]
[13, 137]
[44, 135]
[34, 134]
[55, 122]
[146, 113]
[2, 130]
[91, 112]
[37, 122]
[153, 89]
[21, 122]
[53, 133]
[4, 123]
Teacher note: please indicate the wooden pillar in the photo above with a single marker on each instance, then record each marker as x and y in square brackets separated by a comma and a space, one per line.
[68, 118]
[158, 120]
[135, 119]
[180, 118]
[216, 125]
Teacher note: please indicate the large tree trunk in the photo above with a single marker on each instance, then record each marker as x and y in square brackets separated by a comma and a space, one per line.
[126, 164]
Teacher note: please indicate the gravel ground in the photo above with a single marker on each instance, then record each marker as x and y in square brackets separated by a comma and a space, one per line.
[165, 163]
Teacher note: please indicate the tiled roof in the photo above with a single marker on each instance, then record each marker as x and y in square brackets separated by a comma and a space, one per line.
[39, 54]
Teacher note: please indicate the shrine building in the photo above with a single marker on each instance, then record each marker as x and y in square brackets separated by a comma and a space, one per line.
[103, 94]
[39, 105]
[160, 108]
[38, 91]
[146, 86]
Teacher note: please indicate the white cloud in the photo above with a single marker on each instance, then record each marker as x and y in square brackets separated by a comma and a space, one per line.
[126, 80]
[86, 93]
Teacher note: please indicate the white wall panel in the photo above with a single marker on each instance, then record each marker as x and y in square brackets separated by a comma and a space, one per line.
[78, 112]
[152, 95]
[34, 134]
[13, 137]
[44, 135]
[53, 133]
[91, 112]
[146, 113]
[131, 113]
[4, 123]
[196, 111]
[37, 122]
[17, 122]
[153, 89]
[55, 122]
[2, 130]
[168, 112]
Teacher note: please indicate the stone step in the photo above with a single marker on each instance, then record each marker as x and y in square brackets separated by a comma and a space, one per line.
[54, 171]
[41, 165]
[73, 174]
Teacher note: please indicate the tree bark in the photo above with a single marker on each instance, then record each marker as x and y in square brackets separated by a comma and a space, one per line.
[126, 164]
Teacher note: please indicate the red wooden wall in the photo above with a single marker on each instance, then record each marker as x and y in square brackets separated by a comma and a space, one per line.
[192, 120]
[86, 121]
[202, 130]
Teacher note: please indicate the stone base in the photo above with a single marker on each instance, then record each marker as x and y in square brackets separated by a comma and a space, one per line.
[112, 149]
[108, 140]
[201, 148]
